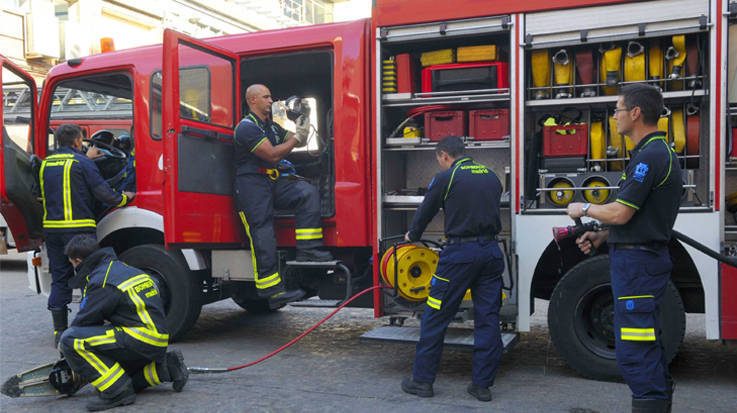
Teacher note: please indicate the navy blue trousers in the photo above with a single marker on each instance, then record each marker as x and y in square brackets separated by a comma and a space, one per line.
[474, 265]
[639, 280]
[256, 197]
[60, 267]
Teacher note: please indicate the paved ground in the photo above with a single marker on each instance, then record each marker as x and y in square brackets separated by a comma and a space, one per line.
[333, 370]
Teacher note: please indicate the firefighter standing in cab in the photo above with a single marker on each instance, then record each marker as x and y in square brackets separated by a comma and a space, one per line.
[641, 222]
[118, 340]
[69, 183]
[469, 194]
[259, 146]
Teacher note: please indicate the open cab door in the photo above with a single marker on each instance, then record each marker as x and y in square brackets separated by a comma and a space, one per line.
[200, 109]
[19, 203]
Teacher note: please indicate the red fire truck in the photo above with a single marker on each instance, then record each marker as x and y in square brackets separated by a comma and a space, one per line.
[530, 85]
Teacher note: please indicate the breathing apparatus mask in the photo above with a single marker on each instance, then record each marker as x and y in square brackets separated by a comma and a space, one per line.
[285, 112]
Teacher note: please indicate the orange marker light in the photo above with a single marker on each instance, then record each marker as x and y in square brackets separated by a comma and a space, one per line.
[107, 44]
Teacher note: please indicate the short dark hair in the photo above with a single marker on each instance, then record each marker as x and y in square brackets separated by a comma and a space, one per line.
[647, 98]
[81, 246]
[67, 133]
[452, 145]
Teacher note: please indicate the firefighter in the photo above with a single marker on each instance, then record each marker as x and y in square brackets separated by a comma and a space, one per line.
[259, 146]
[118, 340]
[469, 194]
[641, 221]
[69, 181]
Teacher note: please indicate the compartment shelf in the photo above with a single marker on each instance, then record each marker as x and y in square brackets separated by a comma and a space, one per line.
[434, 98]
[680, 94]
[429, 146]
[411, 202]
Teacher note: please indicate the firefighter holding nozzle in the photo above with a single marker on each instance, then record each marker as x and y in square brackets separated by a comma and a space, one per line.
[640, 223]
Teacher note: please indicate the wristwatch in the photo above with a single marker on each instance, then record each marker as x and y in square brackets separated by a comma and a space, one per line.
[585, 209]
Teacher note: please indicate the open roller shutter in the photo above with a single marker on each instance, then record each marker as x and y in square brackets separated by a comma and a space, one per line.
[615, 22]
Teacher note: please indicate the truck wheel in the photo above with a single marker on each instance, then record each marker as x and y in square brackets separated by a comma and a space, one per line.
[179, 287]
[581, 320]
[255, 305]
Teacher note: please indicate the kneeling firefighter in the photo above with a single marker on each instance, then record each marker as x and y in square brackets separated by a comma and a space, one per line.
[118, 340]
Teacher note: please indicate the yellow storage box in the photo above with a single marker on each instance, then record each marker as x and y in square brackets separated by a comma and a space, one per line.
[482, 53]
[437, 57]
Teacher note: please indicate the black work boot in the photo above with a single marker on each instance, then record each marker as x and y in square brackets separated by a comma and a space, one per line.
[479, 392]
[649, 405]
[104, 402]
[283, 297]
[313, 255]
[178, 373]
[419, 389]
[60, 318]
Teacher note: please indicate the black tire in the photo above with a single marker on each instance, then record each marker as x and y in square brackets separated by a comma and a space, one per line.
[255, 305]
[179, 287]
[581, 320]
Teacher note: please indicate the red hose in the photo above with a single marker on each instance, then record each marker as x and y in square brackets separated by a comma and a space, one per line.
[204, 370]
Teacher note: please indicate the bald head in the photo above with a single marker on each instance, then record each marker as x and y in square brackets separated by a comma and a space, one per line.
[258, 98]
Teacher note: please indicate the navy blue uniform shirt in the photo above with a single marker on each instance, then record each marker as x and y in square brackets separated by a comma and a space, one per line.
[70, 181]
[652, 184]
[469, 194]
[249, 134]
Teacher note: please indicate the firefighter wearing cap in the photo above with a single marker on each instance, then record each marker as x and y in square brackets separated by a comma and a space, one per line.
[260, 144]
[118, 341]
[641, 221]
[469, 194]
[69, 182]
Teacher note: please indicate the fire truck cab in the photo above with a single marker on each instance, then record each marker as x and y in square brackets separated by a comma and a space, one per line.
[530, 86]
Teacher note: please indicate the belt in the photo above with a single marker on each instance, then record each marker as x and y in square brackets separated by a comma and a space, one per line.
[462, 240]
[645, 246]
[272, 173]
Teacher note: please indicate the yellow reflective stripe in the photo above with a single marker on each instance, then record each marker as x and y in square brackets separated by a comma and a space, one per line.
[270, 281]
[629, 204]
[627, 297]
[90, 358]
[670, 164]
[434, 302]
[441, 278]
[638, 334]
[67, 192]
[104, 281]
[306, 237]
[149, 373]
[43, 192]
[130, 282]
[250, 241]
[107, 338]
[61, 156]
[147, 336]
[308, 230]
[123, 201]
[259, 143]
[75, 223]
[104, 382]
[141, 310]
[450, 182]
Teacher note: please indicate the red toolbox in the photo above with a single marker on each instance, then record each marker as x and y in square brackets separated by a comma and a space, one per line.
[566, 140]
[465, 76]
[488, 124]
[439, 124]
[405, 73]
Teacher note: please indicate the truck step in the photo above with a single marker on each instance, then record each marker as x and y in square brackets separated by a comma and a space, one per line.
[455, 336]
[315, 264]
[316, 303]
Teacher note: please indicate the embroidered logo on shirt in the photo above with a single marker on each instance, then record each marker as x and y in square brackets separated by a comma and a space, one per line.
[630, 305]
[640, 172]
